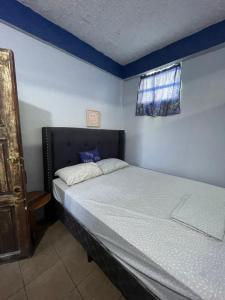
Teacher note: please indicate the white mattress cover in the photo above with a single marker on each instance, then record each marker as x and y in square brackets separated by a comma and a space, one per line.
[165, 255]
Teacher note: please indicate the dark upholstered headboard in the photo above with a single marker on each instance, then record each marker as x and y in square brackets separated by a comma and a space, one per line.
[61, 147]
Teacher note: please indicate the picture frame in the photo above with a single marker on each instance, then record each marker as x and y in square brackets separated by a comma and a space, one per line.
[93, 118]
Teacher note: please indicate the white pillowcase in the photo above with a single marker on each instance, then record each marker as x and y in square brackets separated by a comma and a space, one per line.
[78, 173]
[111, 164]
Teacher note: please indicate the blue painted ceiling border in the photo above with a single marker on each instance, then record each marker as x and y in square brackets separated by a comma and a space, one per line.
[202, 40]
[31, 22]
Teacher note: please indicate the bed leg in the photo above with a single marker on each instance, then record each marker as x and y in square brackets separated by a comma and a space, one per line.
[90, 259]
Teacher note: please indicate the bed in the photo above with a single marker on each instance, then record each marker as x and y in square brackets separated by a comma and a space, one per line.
[123, 220]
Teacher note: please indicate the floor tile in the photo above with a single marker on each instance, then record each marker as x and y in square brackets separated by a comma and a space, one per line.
[43, 258]
[21, 295]
[98, 287]
[78, 269]
[11, 279]
[47, 275]
[65, 244]
[54, 284]
[74, 257]
[74, 295]
[54, 232]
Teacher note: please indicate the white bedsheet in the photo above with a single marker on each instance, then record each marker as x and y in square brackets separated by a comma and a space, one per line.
[129, 211]
[205, 215]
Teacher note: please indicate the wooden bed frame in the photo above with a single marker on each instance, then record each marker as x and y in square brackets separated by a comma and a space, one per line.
[60, 149]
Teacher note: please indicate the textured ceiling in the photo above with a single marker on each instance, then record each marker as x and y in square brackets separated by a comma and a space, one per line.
[126, 30]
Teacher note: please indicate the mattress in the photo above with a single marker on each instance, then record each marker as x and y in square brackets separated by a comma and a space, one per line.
[129, 212]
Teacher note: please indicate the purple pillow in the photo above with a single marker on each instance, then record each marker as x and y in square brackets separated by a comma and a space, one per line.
[90, 156]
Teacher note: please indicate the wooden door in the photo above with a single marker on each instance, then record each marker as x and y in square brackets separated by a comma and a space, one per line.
[14, 226]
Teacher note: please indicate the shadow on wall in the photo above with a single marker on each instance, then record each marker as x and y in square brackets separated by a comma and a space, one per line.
[32, 119]
[192, 146]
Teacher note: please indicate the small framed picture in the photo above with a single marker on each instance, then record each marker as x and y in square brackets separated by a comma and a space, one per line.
[93, 118]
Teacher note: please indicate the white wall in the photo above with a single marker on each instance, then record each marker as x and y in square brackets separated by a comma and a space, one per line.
[55, 89]
[191, 144]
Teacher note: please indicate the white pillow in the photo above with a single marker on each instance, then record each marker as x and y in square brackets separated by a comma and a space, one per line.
[78, 173]
[111, 164]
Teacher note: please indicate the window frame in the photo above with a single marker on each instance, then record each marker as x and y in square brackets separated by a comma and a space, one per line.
[162, 107]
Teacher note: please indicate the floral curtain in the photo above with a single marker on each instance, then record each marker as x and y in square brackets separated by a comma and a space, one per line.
[159, 93]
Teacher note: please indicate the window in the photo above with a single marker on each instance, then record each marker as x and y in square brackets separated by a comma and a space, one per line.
[159, 93]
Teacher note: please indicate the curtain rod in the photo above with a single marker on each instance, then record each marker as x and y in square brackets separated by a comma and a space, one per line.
[161, 68]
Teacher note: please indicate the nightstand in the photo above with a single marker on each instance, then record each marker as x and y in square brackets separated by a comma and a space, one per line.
[36, 201]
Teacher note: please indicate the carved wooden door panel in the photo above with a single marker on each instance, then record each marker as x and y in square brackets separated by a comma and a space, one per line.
[14, 227]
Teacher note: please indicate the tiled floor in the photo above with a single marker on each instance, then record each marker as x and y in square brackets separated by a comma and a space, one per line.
[57, 271]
